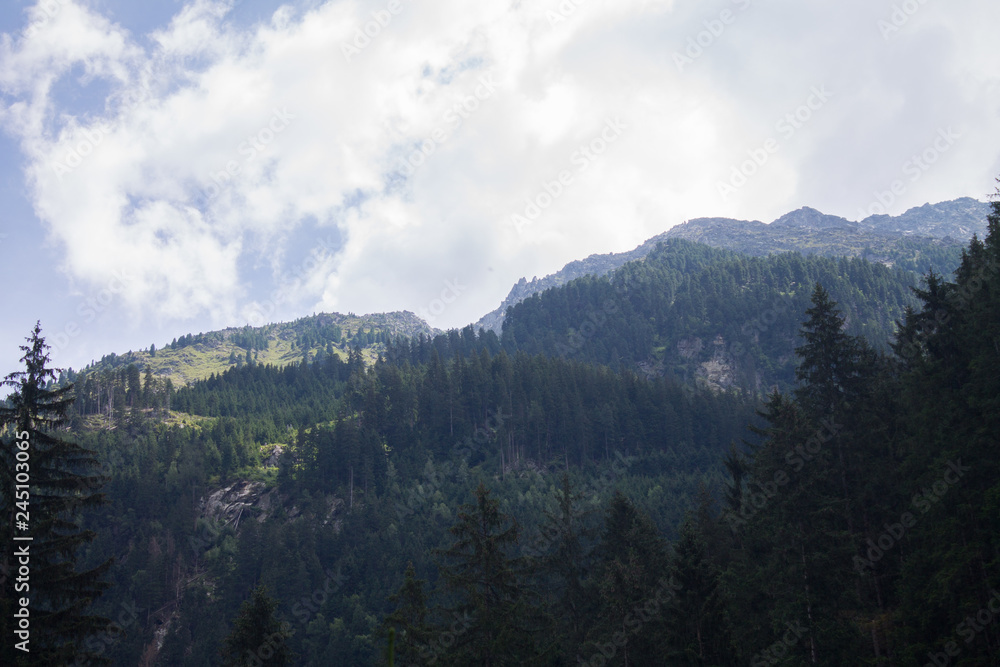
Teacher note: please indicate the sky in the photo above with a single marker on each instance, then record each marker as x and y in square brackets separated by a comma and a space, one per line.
[171, 167]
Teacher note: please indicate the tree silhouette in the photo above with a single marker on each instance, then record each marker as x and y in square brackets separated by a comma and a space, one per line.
[61, 479]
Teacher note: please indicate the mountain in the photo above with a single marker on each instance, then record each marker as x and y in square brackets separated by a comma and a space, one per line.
[922, 238]
[707, 316]
[594, 265]
[926, 237]
[958, 219]
[351, 498]
[198, 356]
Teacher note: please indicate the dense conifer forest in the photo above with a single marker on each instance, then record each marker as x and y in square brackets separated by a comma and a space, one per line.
[704, 458]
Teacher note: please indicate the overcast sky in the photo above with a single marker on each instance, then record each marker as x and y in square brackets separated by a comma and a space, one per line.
[172, 167]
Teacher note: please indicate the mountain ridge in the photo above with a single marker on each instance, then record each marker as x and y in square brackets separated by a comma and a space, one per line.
[932, 234]
[197, 356]
[889, 240]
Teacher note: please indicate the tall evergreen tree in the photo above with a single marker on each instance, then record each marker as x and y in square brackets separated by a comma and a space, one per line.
[563, 561]
[699, 629]
[846, 385]
[410, 619]
[828, 359]
[632, 588]
[952, 405]
[62, 478]
[492, 618]
[257, 637]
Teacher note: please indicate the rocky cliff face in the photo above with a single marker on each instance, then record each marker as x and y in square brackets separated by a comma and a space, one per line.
[245, 501]
[958, 219]
[227, 506]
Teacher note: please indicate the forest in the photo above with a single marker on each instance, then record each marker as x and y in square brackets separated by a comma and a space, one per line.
[705, 458]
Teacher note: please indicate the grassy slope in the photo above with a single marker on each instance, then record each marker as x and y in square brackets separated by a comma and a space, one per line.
[200, 360]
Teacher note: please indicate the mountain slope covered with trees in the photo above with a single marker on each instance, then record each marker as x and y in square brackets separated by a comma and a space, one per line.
[923, 238]
[543, 499]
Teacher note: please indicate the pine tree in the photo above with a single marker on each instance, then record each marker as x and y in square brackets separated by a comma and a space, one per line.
[148, 388]
[64, 479]
[699, 629]
[800, 512]
[257, 637]
[410, 618]
[828, 359]
[952, 416]
[491, 623]
[632, 588]
[561, 558]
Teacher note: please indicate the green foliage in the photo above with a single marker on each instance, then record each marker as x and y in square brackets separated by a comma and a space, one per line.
[257, 637]
[631, 563]
[481, 573]
[411, 618]
[875, 543]
[45, 482]
[687, 308]
[593, 533]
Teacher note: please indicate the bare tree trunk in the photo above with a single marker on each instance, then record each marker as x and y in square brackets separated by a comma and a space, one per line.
[805, 578]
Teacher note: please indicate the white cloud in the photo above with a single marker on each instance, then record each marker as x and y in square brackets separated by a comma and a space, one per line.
[213, 147]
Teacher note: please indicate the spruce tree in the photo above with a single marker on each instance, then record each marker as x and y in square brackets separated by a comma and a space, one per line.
[699, 628]
[561, 557]
[491, 624]
[41, 529]
[828, 359]
[631, 587]
[952, 410]
[258, 638]
[410, 618]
